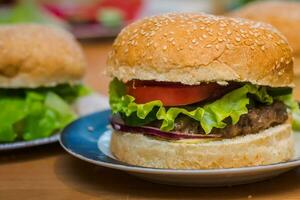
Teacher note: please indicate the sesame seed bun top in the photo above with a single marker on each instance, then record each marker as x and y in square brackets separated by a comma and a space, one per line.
[194, 48]
[38, 56]
[285, 16]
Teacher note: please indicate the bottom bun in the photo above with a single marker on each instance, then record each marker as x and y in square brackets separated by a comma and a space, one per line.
[272, 145]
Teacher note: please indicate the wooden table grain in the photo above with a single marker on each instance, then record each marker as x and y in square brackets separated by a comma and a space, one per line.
[47, 172]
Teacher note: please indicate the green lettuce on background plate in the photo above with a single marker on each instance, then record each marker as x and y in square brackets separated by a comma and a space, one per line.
[28, 114]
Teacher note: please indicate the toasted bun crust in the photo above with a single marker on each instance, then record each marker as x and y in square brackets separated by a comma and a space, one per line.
[269, 146]
[195, 48]
[285, 16]
[35, 55]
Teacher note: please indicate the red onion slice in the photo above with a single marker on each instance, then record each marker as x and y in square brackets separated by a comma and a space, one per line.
[118, 125]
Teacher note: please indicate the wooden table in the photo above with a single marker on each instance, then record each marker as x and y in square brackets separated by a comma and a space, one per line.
[48, 172]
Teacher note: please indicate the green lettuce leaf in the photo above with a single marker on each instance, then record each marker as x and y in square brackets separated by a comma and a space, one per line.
[68, 92]
[289, 101]
[293, 107]
[58, 105]
[12, 110]
[212, 115]
[40, 120]
[36, 113]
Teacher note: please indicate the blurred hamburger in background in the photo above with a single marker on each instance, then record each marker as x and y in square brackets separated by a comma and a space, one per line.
[283, 15]
[85, 19]
[40, 77]
[196, 91]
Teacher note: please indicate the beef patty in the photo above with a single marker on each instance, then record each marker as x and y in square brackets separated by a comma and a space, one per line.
[255, 120]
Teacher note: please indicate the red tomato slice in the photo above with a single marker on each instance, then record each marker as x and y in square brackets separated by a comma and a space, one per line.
[171, 94]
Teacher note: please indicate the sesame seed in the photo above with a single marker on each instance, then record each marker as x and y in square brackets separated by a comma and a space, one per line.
[208, 46]
[260, 42]
[164, 47]
[238, 39]
[229, 46]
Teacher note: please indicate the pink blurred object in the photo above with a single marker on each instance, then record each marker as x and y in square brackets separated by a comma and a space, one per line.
[81, 12]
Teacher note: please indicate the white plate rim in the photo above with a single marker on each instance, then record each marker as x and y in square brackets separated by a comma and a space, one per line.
[24, 144]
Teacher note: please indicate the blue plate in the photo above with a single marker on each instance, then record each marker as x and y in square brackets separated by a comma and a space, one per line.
[88, 138]
[81, 137]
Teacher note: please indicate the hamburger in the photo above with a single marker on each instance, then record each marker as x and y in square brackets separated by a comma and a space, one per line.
[40, 77]
[197, 91]
[285, 16]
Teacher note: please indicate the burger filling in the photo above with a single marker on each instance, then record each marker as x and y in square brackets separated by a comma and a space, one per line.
[204, 110]
[28, 114]
[255, 120]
